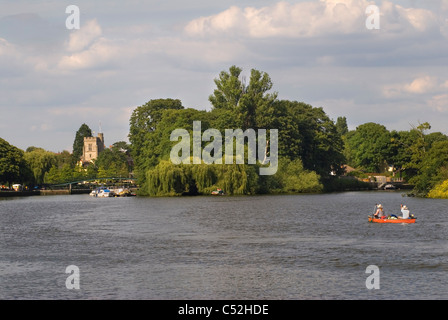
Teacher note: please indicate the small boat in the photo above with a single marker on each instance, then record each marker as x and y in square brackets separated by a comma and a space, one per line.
[102, 192]
[391, 220]
[121, 192]
[95, 192]
[389, 187]
[105, 193]
[218, 192]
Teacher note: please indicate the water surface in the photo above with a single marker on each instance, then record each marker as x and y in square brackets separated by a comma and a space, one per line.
[260, 247]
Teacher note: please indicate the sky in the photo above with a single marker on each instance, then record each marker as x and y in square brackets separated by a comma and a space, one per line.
[125, 53]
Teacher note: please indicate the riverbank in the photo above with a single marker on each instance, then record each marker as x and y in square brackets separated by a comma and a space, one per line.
[8, 194]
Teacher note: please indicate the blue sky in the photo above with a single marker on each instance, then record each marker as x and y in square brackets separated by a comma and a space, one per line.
[128, 52]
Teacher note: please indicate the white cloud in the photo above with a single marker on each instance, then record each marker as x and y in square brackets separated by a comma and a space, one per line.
[418, 86]
[304, 19]
[96, 55]
[440, 102]
[5, 47]
[85, 36]
[319, 52]
[422, 85]
[309, 19]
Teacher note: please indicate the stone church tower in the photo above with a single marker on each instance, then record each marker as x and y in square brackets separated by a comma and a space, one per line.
[93, 146]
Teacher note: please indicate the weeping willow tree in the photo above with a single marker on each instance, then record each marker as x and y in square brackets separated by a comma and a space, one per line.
[235, 179]
[168, 179]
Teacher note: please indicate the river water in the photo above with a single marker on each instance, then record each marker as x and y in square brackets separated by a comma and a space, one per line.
[256, 247]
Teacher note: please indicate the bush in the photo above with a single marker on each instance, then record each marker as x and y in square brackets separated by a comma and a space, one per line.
[439, 191]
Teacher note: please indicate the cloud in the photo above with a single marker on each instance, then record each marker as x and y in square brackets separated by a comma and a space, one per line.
[422, 85]
[82, 38]
[418, 86]
[310, 19]
[6, 48]
[304, 19]
[100, 53]
[319, 52]
[440, 102]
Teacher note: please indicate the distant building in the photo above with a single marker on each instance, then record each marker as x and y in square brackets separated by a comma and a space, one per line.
[93, 146]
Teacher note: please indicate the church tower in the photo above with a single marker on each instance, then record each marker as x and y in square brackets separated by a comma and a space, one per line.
[93, 146]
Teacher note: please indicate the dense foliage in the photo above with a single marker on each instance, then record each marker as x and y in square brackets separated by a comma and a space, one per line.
[310, 145]
[312, 148]
[419, 157]
[13, 166]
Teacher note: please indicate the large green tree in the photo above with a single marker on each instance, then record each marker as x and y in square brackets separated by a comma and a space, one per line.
[78, 144]
[320, 144]
[40, 162]
[143, 123]
[13, 167]
[114, 161]
[244, 101]
[309, 141]
[370, 147]
[433, 168]
[341, 126]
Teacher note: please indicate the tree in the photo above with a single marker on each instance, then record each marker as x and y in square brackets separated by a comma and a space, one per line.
[40, 162]
[63, 158]
[411, 147]
[370, 147]
[309, 134]
[245, 102]
[113, 161]
[143, 122]
[78, 144]
[309, 141]
[53, 175]
[229, 89]
[13, 167]
[341, 126]
[433, 168]
[294, 178]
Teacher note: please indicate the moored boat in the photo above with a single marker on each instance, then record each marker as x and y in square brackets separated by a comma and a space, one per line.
[392, 220]
[218, 192]
[102, 192]
[105, 193]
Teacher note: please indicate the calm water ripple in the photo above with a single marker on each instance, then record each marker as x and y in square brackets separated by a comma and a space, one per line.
[261, 247]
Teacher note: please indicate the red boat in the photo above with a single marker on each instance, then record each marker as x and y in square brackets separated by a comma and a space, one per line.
[389, 220]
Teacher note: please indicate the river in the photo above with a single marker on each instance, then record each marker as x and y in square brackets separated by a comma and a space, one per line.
[288, 247]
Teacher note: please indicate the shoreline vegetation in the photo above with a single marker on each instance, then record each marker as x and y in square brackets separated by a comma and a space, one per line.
[316, 154]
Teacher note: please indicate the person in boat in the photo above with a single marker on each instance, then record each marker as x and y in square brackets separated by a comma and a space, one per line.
[404, 211]
[379, 212]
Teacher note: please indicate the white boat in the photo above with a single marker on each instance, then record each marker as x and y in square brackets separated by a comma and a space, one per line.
[102, 192]
[105, 193]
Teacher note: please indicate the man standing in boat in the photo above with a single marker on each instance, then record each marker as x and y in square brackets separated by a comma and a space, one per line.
[404, 211]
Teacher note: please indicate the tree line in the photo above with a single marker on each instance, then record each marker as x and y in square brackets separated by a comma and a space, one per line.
[36, 166]
[415, 155]
[312, 148]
